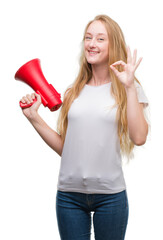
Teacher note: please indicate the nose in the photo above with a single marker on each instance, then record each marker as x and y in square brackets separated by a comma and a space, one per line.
[92, 43]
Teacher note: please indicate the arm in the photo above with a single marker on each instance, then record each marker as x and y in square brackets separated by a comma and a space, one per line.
[138, 127]
[51, 137]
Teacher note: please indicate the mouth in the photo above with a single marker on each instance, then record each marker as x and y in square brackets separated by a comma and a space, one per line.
[92, 52]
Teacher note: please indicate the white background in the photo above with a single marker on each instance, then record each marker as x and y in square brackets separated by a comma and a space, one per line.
[52, 31]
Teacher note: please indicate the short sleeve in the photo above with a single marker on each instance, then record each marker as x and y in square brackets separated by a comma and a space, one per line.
[141, 95]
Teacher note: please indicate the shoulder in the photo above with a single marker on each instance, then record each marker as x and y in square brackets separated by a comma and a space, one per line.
[137, 84]
[67, 90]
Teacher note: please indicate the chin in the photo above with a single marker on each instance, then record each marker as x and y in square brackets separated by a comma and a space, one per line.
[92, 61]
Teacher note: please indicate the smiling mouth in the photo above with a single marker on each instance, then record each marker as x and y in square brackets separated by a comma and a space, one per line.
[93, 52]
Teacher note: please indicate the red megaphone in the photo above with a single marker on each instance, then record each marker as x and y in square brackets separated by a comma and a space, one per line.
[31, 74]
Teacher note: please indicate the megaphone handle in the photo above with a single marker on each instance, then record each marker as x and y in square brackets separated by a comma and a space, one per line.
[25, 105]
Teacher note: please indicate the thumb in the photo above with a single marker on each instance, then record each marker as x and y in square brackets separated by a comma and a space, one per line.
[37, 104]
[38, 97]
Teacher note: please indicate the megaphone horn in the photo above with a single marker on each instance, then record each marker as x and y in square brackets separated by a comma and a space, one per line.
[31, 74]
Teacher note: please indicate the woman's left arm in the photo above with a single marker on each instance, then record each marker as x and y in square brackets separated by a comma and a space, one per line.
[137, 125]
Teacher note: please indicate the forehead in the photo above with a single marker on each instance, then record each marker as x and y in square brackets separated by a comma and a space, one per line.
[96, 27]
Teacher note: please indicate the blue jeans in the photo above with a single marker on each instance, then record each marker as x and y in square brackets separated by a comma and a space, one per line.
[73, 211]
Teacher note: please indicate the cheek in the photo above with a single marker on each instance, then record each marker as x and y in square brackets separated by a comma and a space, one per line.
[106, 50]
[86, 46]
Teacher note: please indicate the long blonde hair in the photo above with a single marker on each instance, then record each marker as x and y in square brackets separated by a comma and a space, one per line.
[117, 51]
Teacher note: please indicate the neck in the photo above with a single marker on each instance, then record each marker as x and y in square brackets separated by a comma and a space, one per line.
[100, 75]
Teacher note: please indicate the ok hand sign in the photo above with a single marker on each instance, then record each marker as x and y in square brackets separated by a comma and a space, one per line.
[127, 75]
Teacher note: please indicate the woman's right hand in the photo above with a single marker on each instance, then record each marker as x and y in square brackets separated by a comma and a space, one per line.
[29, 112]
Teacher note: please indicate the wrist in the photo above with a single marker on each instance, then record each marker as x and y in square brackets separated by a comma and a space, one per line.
[33, 115]
[130, 88]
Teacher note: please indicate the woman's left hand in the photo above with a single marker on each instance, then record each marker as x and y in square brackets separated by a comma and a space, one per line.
[127, 75]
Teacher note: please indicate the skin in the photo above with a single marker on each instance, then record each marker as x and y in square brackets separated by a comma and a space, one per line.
[99, 61]
[127, 75]
[31, 111]
[138, 127]
[96, 40]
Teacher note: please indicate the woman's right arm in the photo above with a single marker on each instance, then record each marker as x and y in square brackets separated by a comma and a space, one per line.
[51, 137]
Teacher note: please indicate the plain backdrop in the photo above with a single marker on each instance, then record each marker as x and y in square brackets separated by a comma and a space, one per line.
[52, 31]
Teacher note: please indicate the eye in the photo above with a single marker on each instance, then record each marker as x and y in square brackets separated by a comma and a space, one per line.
[101, 39]
[87, 37]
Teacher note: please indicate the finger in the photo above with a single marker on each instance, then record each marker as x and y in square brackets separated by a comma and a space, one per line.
[28, 96]
[37, 96]
[22, 100]
[129, 58]
[134, 57]
[119, 63]
[33, 96]
[25, 100]
[114, 70]
[139, 61]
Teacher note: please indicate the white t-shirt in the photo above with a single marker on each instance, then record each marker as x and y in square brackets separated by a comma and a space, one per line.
[91, 160]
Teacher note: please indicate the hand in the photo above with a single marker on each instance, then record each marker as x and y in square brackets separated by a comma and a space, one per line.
[32, 110]
[127, 75]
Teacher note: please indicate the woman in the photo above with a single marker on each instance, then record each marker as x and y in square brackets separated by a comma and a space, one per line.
[101, 118]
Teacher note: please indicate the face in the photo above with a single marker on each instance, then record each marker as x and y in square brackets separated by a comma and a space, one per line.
[96, 44]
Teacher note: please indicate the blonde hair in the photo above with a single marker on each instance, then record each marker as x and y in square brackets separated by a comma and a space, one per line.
[117, 51]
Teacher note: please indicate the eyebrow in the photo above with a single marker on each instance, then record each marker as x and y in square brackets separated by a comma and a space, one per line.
[97, 34]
